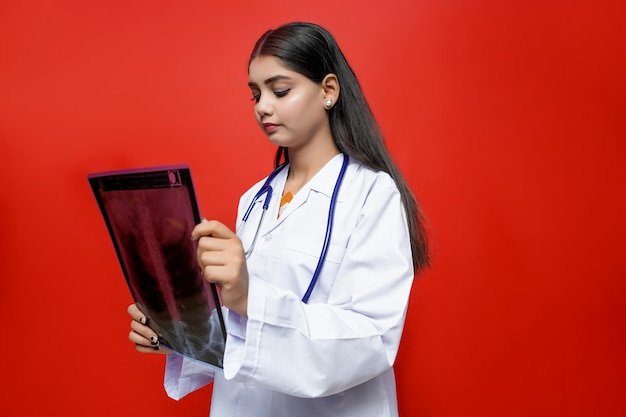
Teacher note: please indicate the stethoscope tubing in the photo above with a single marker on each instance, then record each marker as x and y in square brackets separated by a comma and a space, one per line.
[329, 230]
[266, 189]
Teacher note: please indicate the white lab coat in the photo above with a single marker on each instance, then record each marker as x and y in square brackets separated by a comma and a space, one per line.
[333, 356]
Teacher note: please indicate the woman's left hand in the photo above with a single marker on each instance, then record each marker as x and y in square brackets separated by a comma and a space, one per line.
[223, 261]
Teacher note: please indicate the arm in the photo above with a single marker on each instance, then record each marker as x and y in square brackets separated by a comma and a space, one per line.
[313, 350]
[224, 263]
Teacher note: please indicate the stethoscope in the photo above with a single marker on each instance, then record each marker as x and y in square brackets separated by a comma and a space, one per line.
[267, 190]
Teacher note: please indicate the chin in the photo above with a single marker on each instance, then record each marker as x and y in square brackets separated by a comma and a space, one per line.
[276, 141]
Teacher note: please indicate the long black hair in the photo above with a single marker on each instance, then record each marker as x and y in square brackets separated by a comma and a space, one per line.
[312, 51]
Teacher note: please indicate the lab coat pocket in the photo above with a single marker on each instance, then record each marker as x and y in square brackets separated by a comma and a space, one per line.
[313, 248]
[303, 255]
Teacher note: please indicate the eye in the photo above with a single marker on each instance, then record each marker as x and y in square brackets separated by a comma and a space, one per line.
[256, 97]
[281, 93]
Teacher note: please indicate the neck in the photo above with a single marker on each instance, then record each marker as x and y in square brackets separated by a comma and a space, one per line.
[304, 165]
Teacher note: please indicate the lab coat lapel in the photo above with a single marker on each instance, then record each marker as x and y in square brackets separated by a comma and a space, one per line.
[323, 182]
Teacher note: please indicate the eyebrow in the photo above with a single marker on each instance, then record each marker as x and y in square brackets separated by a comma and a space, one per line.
[270, 80]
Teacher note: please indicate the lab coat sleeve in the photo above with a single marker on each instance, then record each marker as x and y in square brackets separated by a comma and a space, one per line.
[184, 375]
[314, 350]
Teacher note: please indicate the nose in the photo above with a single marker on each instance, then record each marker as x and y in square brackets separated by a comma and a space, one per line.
[265, 106]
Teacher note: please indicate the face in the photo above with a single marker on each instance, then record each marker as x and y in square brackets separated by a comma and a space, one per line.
[288, 106]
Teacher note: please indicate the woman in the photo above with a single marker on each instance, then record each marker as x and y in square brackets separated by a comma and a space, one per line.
[299, 345]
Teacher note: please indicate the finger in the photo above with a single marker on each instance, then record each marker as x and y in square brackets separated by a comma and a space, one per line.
[142, 344]
[138, 339]
[143, 335]
[158, 349]
[214, 274]
[209, 258]
[224, 277]
[136, 314]
[210, 243]
[212, 228]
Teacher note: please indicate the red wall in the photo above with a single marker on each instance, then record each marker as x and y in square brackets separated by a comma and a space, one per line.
[508, 119]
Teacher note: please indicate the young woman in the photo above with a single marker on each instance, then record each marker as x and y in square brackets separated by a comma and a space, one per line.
[307, 339]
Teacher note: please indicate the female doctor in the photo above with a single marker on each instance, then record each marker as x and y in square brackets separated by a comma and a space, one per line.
[315, 282]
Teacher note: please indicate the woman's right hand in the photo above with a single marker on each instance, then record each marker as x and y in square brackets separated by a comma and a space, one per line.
[144, 338]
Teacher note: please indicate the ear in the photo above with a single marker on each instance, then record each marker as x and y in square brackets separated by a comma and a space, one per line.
[330, 86]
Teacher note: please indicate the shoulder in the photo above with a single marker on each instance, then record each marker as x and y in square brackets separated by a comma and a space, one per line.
[368, 190]
[365, 178]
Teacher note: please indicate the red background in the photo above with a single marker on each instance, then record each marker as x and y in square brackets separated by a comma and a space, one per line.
[508, 118]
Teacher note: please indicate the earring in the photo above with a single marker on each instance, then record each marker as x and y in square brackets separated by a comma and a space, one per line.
[328, 103]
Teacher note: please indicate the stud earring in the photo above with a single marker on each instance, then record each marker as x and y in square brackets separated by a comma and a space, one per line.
[328, 103]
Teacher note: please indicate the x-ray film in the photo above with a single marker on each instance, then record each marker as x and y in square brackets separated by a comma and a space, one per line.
[149, 214]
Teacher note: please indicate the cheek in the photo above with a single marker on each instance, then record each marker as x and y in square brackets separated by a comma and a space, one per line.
[300, 105]
[294, 103]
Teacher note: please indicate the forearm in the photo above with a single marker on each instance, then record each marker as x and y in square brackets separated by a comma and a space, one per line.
[311, 350]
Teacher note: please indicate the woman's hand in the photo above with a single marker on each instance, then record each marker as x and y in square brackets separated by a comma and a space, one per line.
[223, 261]
[144, 338]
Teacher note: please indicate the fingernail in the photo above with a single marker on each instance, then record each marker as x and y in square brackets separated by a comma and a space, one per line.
[154, 340]
[156, 348]
[142, 320]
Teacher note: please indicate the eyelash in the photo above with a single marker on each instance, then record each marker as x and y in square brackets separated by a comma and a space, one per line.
[281, 93]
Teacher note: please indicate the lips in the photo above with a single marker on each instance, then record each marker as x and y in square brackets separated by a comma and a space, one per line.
[270, 127]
